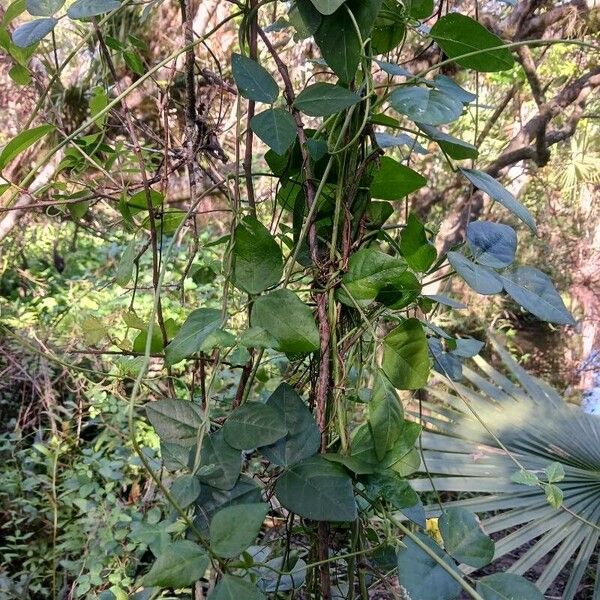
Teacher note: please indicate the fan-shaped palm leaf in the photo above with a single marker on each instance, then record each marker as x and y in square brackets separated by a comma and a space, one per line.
[537, 427]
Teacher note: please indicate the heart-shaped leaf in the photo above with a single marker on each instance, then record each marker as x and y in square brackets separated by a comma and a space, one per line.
[179, 565]
[303, 437]
[464, 538]
[236, 588]
[234, 528]
[32, 32]
[481, 279]
[288, 320]
[276, 128]
[507, 586]
[22, 141]
[222, 462]
[194, 331]
[405, 356]
[394, 181]
[258, 262]
[500, 194]
[369, 272]
[458, 35]
[323, 99]
[415, 246]
[327, 7]
[85, 9]
[386, 416]
[44, 8]
[453, 147]
[421, 575]
[317, 489]
[426, 105]
[535, 292]
[175, 420]
[253, 425]
[253, 81]
[492, 244]
[338, 40]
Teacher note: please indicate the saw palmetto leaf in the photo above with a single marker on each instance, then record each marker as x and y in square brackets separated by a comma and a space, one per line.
[464, 423]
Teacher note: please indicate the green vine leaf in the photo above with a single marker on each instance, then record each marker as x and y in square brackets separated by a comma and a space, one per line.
[236, 588]
[317, 489]
[327, 7]
[405, 356]
[194, 331]
[302, 439]
[276, 128]
[386, 416]
[234, 528]
[22, 141]
[324, 99]
[499, 193]
[458, 34]
[464, 539]
[44, 8]
[507, 586]
[85, 9]
[31, 33]
[180, 565]
[253, 81]
[394, 181]
[453, 147]
[534, 291]
[415, 246]
[426, 105]
[419, 9]
[185, 489]
[258, 262]
[369, 272]
[480, 278]
[253, 425]
[492, 244]
[222, 462]
[211, 499]
[421, 575]
[338, 40]
[389, 28]
[284, 316]
[175, 420]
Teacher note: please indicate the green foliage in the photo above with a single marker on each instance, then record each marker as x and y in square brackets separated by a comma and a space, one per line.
[234, 528]
[421, 575]
[179, 565]
[426, 105]
[506, 585]
[405, 357]
[276, 128]
[291, 323]
[258, 260]
[464, 539]
[253, 81]
[458, 35]
[323, 99]
[254, 425]
[302, 312]
[318, 490]
[232, 588]
[21, 142]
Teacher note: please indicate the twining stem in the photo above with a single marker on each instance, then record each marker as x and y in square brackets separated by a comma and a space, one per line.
[137, 150]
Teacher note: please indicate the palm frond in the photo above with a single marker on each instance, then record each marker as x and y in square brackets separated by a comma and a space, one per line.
[478, 433]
